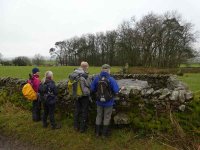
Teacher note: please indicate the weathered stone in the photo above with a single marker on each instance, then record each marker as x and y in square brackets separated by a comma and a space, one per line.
[161, 97]
[146, 100]
[165, 93]
[133, 84]
[188, 95]
[124, 103]
[174, 84]
[181, 96]
[149, 91]
[163, 103]
[181, 107]
[157, 92]
[135, 92]
[166, 98]
[174, 96]
[143, 92]
[121, 118]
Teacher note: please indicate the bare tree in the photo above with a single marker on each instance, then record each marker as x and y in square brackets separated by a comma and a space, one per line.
[153, 41]
[38, 60]
[21, 61]
[60, 52]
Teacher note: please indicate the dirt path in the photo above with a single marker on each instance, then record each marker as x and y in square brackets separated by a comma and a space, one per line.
[13, 144]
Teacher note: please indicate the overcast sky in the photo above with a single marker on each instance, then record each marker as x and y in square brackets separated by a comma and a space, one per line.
[29, 27]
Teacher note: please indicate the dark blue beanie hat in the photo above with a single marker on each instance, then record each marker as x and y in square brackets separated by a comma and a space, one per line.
[35, 70]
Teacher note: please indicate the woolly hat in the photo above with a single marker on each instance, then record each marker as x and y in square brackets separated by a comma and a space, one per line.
[35, 70]
[105, 66]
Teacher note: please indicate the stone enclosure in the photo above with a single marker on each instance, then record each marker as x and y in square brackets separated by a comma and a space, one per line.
[161, 92]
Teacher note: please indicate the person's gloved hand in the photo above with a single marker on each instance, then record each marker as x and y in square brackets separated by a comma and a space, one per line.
[116, 97]
[90, 99]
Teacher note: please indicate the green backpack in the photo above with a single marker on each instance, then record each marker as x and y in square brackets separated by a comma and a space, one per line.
[74, 86]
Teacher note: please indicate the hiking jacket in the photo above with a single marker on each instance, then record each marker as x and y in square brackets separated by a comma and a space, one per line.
[35, 82]
[84, 81]
[113, 85]
[51, 98]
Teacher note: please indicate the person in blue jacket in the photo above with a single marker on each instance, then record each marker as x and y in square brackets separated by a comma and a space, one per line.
[105, 103]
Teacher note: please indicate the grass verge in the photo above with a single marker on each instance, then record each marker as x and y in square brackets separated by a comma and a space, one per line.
[17, 123]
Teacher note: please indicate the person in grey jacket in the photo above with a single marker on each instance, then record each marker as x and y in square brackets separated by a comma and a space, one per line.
[82, 103]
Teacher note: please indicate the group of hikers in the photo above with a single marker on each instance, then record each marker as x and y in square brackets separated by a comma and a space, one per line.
[80, 87]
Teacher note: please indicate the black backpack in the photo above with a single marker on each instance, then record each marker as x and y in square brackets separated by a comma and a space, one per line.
[104, 92]
[45, 91]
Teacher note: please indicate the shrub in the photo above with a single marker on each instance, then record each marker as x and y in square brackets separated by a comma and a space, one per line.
[21, 61]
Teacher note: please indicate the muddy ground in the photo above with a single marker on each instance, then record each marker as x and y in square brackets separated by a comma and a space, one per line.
[8, 143]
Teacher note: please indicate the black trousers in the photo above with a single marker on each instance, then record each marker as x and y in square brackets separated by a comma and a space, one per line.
[49, 109]
[36, 110]
[81, 113]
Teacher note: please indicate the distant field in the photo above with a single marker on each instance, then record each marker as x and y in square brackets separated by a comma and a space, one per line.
[192, 80]
[60, 72]
[190, 65]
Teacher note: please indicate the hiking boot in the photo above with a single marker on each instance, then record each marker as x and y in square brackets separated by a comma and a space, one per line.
[83, 126]
[97, 130]
[105, 131]
[83, 129]
[36, 120]
[76, 129]
[56, 127]
[45, 125]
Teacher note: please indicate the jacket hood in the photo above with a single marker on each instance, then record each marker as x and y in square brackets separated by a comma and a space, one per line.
[105, 74]
[35, 76]
[47, 80]
[79, 71]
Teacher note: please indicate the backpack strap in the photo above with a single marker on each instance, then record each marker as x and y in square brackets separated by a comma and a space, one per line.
[48, 90]
[30, 80]
[100, 77]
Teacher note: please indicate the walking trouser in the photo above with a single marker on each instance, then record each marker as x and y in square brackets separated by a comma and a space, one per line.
[36, 110]
[103, 115]
[49, 109]
[81, 112]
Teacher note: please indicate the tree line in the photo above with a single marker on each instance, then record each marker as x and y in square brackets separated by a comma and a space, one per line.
[24, 61]
[153, 41]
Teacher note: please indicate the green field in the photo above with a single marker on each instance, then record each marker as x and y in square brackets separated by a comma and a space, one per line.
[192, 80]
[60, 72]
[190, 65]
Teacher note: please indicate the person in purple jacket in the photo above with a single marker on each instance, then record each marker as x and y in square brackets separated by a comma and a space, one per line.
[35, 82]
[105, 87]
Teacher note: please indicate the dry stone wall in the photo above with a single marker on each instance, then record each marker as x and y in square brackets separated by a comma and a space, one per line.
[162, 92]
